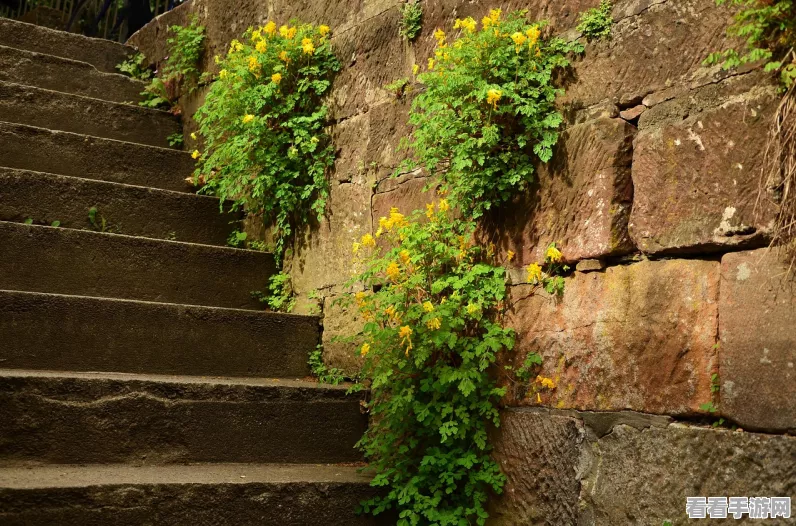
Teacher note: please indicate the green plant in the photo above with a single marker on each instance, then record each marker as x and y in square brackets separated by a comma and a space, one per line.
[398, 87]
[709, 407]
[411, 19]
[55, 224]
[135, 66]
[280, 297]
[237, 239]
[524, 372]
[715, 384]
[432, 331]
[97, 220]
[155, 94]
[263, 126]
[28, 221]
[175, 139]
[324, 374]
[768, 29]
[595, 23]
[487, 111]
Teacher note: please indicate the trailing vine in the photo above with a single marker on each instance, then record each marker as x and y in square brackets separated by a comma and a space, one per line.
[487, 111]
[262, 124]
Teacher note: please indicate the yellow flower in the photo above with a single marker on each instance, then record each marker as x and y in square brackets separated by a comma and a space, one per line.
[533, 35]
[360, 296]
[546, 382]
[428, 307]
[430, 63]
[443, 205]
[493, 96]
[553, 254]
[415, 69]
[468, 24]
[222, 74]
[261, 46]
[534, 273]
[391, 312]
[519, 39]
[193, 136]
[510, 255]
[355, 247]
[368, 241]
[404, 257]
[439, 35]
[291, 32]
[434, 323]
[247, 118]
[365, 349]
[307, 47]
[217, 59]
[195, 154]
[254, 65]
[256, 35]
[270, 29]
[404, 331]
[393, 271]
[323, 30]
[396, 218]
[472, 308]
[430, 210]
[283, 31]
[235, 46]
[494, 15]
[538, 398]
[283, 56]
[379, 232]
[486, 21]
[276, 78]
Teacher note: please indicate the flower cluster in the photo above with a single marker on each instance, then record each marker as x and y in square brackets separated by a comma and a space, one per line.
[487, 114]
[263, 125]
[548, 273]
[432, 330]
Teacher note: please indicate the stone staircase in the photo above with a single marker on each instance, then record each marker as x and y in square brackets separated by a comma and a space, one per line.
[139, 381]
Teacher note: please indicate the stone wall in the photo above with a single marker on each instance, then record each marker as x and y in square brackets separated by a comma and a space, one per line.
[652, 195]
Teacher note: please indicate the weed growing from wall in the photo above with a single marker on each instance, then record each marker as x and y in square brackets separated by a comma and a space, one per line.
[262, 125]
[411, 19]
[768, 30]
[595, 23]
[487, 113]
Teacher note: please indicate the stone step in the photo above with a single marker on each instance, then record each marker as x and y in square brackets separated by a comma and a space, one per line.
[63, 261]
[77, 333]
[102, 54]
[64, 153]
[101, 418]
[196, 494]
[132, 210]
[77, 114]
[66, 75]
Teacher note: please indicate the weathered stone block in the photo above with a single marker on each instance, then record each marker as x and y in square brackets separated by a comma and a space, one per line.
[539, 454]
[638, 337]
[389, 123]
[757, 331]
[341, 320]
[695, 179]
[644, 476]
[351, 139]
[581, 200]
[405, 193]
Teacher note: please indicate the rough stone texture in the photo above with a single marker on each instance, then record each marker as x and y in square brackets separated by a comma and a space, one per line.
[406, 193]
[104, 418]
[322, 255]
[581, 200]
[102, 54]
[62, 153]
[341, 319]
[696, 178]
[539, 454]
[637, 337]
[71, 113]
[131, 210]
[64, 261]
[757, 330]
[389, 123]
[350, 138]
[72, 333]
[653, 45]
[65, 75]
[644, 476]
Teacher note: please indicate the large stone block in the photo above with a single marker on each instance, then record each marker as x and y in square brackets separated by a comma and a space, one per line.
[342, 334]
[695, 179]
[644, 476]
[757, 330]
[638, 337]
[581, 200]
[539, 454]
[322, 257]
[653, 45]
[351, 139]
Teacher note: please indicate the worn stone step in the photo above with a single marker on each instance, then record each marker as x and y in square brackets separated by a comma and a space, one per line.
[196, 494]
[66, 75]
[63, 261]
[132, 210]
[77, 333]
[78, 114]
[100, 53]
[64, 153]
[76, 418]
